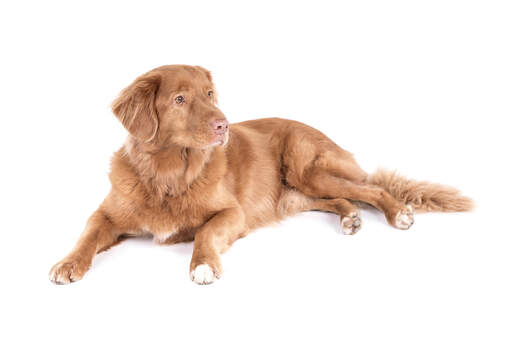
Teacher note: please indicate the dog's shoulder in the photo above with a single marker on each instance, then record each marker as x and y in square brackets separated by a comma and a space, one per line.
[123, 177]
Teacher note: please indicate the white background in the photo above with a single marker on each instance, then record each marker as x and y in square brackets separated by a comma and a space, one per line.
[423, 87]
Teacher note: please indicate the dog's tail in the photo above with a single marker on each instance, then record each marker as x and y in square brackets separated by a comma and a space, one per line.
[423, 196]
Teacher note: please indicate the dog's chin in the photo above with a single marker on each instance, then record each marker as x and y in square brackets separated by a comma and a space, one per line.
[219, 141]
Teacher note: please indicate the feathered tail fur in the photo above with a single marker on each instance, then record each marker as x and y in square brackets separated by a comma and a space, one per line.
[422, 195]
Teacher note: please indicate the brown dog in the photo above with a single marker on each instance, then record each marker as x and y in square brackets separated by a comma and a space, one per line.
[178, 179]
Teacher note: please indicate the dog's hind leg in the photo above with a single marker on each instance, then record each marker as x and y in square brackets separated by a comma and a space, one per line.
[319, 183]
[293, 201]
[317, 167]
[349, 215]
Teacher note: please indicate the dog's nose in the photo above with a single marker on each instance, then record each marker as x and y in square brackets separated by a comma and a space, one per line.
[219, 126]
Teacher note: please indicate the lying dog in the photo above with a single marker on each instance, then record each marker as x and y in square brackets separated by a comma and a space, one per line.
[178, 179]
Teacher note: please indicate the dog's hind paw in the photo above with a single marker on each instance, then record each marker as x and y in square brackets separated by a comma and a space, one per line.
[404, 218]
[351, 223]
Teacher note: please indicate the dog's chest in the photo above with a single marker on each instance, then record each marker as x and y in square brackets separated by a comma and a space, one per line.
[175, 216]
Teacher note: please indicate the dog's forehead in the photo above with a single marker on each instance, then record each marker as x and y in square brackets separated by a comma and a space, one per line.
[184, 78]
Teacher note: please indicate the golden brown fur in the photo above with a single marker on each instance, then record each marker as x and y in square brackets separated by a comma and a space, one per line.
[422, 195]
[179, 179]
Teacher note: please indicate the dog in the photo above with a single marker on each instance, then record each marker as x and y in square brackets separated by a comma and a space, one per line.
[185, 174]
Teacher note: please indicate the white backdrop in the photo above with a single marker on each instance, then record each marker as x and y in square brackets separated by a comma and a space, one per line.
[421, 86]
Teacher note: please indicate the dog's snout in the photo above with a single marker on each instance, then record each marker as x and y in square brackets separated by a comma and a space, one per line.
[219, 126]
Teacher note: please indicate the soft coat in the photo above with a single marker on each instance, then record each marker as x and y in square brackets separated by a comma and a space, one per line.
[185, 174]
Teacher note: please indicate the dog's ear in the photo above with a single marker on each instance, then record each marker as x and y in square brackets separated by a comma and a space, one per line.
[136, 109]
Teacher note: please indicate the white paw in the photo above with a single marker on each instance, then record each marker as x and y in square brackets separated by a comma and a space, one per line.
[203, 274]
[404, 219]
[351, 223]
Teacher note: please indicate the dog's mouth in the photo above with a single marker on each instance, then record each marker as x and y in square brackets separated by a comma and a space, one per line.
[220, 139]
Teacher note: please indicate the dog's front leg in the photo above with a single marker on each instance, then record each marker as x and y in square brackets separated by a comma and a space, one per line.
[100, 233]
[211, 240]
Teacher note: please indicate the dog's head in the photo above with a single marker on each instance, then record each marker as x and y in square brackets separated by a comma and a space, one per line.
[173, 104]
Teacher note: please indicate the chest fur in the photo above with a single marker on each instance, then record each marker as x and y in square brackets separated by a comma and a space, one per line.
[170, 191]
[174, 215]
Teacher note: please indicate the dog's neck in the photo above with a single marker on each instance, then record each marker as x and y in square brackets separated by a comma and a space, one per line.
[166, 171]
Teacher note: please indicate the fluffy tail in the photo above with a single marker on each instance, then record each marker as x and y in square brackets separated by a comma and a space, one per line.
[422, 195]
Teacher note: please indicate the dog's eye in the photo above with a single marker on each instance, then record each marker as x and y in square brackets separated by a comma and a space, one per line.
[179, 99]
[210, 93]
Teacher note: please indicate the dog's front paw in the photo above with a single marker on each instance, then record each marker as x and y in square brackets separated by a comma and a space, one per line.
[68, 270]
[203, 274]
[404, 218]
[351, 223]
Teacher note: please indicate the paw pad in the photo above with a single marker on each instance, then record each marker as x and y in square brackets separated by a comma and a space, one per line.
[351, 223]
